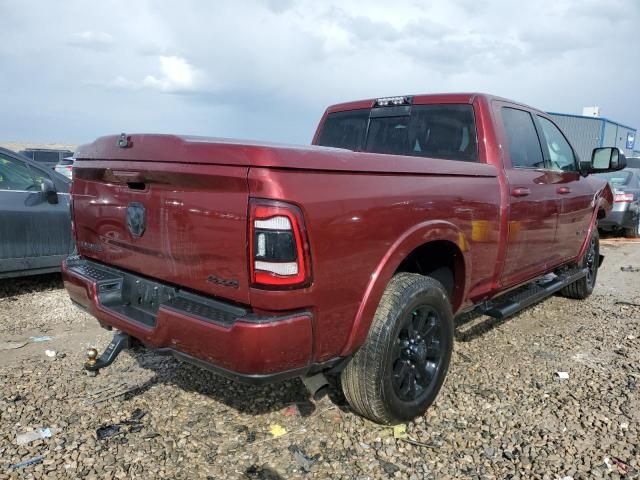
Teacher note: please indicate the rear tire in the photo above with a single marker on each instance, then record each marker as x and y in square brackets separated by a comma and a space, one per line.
[633, 232]
[399, 370]
[581, 289]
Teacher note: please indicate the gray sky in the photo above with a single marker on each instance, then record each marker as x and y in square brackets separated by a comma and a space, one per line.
[74, 70]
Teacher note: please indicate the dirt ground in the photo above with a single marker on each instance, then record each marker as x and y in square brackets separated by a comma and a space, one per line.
[503, 412]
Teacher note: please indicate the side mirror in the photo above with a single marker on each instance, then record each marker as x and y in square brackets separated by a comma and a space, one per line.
[49, 191]
[607, 159]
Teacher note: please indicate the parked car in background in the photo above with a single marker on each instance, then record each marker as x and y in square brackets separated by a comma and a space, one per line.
[65, 167]
[46, 157]
[625, 215]
[264, 262]
[35, 219]
[633, 162]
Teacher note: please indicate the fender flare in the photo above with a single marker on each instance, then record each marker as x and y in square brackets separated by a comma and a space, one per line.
[418, 235]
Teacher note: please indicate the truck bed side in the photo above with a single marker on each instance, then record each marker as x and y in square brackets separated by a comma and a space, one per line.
[361, 227]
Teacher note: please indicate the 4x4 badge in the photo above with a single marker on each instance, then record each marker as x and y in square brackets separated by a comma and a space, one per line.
[136, 219]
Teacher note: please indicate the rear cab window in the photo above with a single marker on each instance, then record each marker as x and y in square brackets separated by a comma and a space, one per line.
[443, 131]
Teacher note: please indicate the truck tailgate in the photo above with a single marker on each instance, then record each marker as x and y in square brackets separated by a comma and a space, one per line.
[178, 223]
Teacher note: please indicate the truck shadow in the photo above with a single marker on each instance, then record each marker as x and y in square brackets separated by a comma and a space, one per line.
[470, 326]
[243, 398]
[11, 287]
[259, 400]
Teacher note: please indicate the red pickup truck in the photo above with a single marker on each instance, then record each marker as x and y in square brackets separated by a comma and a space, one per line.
[264, 261]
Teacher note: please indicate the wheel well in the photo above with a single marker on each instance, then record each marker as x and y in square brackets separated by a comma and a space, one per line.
[441, 260]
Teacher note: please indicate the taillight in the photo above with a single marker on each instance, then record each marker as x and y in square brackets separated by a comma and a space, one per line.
[278, 246]
[623, 197]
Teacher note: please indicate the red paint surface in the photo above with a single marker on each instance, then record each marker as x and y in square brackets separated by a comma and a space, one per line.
[364, 213]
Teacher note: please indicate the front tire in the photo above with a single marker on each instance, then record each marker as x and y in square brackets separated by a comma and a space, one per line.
[399, 370]
[581, 289]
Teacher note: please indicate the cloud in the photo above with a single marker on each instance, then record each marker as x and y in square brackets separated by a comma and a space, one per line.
[92, 40]
[176, 75]
[279, 6]
[268, 69]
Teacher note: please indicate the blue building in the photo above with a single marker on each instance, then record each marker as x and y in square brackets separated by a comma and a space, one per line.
[587, 133]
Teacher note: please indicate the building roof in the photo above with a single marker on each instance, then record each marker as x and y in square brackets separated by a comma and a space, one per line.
[593, 118]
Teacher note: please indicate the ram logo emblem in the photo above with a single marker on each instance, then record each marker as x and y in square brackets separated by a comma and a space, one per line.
[136, 219]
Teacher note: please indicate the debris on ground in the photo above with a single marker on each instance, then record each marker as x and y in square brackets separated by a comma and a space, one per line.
[304, 460]
[622, 466]
[400, 431]
[50, 353]
[134, 423]
[277, 430]
[465, 357]
[302, 409]
[11, 345]
[39, 339]
[26, 463]
[28, 437]
[291, 411]
[107, 431]
[630, 269]
[388, 467]
[108, 392]
[562, 375]
[631, 304]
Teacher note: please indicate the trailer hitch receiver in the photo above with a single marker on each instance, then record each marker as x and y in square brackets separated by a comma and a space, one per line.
[121, 341]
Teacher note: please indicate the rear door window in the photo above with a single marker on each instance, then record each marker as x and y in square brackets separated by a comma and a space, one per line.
[524, 145]
[435, 131]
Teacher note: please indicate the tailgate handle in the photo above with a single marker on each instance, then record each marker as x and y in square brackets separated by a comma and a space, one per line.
[127, 177]
[136, 185]
[134, 180]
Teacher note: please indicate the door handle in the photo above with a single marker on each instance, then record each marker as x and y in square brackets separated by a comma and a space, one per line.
[563, 190]
[520, 192]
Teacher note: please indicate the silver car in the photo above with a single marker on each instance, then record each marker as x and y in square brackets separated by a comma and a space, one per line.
[625, 214]
[65, 167]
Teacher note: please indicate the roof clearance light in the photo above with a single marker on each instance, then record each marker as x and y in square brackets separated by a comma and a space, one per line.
[388, 101]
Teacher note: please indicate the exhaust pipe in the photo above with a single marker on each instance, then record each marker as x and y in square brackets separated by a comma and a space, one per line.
[121, 341]
[317, 385]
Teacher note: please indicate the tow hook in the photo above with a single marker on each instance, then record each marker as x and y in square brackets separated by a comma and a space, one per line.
[121, 341]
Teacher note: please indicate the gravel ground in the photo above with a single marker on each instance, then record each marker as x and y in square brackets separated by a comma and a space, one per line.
[502, 413]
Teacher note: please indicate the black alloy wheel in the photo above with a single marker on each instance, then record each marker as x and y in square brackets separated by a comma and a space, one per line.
[418, 354]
